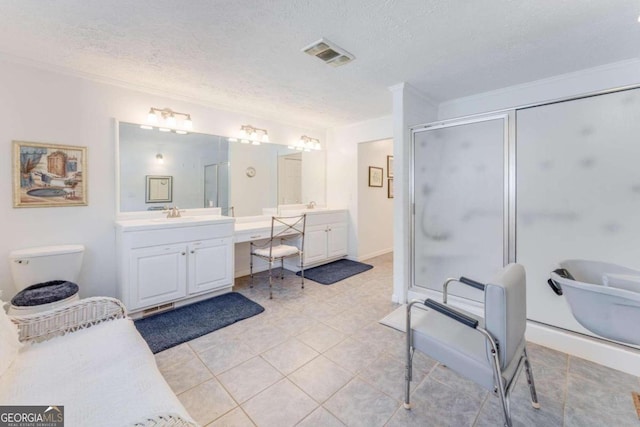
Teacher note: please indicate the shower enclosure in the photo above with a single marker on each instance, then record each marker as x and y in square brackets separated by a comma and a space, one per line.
[570, 167]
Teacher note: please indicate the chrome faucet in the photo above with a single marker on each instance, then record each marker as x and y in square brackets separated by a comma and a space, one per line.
[173, 212]
[311, 205]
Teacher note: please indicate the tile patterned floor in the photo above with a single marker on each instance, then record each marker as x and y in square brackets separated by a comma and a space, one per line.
[318, 357]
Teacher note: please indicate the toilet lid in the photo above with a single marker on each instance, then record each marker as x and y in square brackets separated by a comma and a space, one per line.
[44, 293]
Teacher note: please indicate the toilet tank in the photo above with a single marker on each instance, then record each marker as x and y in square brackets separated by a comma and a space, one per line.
[46, 263]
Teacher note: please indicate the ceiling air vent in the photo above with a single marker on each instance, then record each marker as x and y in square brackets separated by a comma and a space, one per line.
[329, 53]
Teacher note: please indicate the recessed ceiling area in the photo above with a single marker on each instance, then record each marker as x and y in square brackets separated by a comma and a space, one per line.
[246, 55]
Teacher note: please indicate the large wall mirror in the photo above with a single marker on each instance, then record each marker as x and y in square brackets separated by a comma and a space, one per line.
[210, 171]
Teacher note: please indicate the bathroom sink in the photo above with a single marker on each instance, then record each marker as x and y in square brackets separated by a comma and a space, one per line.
[179, 219]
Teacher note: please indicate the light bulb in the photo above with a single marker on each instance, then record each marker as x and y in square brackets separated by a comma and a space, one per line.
[244, 141]
[164, 130]
[188, 124]
[256, 142]
[254, 135]
[151, 117]
[242, 133]
[181, 132]
[265, 137]
[291, 147]
[146, 127]
[171, 120]
[232, 139]
[159, 158]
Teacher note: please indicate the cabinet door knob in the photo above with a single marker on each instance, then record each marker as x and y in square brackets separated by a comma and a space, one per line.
[193, 252]
[184, 253]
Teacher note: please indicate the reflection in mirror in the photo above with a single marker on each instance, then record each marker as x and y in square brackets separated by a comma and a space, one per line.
[210, 171]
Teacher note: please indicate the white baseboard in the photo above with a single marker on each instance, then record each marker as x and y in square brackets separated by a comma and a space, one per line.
[603, 352]
[374, 254]
[610, 354]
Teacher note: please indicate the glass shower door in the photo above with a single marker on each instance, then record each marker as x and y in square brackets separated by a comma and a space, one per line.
[460, 188]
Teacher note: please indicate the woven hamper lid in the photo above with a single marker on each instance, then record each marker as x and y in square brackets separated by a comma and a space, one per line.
[44, 293]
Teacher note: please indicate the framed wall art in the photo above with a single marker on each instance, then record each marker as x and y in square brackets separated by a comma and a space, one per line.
[375, 176]
[389, 166]
[390, 188]
[159, 188]
[49, 175]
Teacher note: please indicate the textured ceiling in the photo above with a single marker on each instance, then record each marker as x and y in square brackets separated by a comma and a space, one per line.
[244, 55]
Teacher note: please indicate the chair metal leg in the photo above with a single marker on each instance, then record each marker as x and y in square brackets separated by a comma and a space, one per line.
[408, 370]
[251, 269]
[270, 281]
[502, 394]
[302, 269]
[532, 385]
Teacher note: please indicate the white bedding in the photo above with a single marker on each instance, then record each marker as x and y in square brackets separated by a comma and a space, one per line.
[104, 376]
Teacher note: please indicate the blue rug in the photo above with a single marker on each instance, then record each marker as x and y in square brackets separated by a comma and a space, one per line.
[168, 329]
[333, 272]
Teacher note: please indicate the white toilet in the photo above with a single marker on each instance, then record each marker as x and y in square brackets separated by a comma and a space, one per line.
[45, 277]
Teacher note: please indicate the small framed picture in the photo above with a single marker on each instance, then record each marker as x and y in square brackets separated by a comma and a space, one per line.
[159, 188]
[390, 188]
[389, 166]
[49, 175]
[375, 176]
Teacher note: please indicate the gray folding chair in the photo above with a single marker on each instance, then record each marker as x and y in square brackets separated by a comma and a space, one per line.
[284, 228]
[490, 351]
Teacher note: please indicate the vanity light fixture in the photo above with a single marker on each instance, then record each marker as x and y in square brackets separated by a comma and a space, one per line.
[306, 143]
[252, 134]
[169, 120]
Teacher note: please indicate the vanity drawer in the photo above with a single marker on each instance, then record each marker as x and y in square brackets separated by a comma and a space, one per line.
[252, 235]
[144, 238]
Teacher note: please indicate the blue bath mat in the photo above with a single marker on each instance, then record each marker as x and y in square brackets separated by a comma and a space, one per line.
[333, 272]
[166, 330]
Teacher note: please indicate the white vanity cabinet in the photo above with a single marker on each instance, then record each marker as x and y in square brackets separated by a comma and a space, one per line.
[325, 237]
[177, 262]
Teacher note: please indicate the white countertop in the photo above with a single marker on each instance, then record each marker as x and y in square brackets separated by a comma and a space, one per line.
[246, 228]
[163, 223]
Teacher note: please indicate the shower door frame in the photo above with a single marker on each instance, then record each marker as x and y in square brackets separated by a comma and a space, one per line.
[509, 181]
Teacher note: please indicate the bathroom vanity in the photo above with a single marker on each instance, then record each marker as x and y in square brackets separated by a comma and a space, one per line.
[326, 237]
[168, 262]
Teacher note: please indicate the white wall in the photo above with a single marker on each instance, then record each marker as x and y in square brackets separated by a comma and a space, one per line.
[342, 171]
[44, 106]
[375, 209]
[566, 85]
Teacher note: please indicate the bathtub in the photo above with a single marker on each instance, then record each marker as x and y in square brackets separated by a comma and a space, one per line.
[603, 297]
